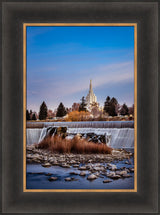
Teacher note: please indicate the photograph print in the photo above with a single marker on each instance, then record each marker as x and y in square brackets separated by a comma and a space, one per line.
[80, 112]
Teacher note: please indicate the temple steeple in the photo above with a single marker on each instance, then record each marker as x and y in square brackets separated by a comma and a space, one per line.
[90, 86]
[90, 98]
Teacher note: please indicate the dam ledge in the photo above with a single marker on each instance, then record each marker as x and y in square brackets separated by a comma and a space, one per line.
[82, 124]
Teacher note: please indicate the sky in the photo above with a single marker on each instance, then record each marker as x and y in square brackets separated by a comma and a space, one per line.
[62, 60]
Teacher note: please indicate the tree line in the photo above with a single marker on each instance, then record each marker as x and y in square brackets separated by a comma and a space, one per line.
[111, 108]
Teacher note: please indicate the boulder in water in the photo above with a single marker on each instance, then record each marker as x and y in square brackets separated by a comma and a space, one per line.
[52, 178]
[107, 181]
[82, 173]
[92, 177]
[46, 165]
[48, 174]
[68, 179]
[61, 131]
[112, 167]
[73, 173]
[82, 168]
[126, 176]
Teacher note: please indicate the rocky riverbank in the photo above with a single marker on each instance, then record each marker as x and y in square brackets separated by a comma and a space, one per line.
[90, 166]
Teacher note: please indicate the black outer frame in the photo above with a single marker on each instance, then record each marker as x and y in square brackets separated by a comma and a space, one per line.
[145, 14]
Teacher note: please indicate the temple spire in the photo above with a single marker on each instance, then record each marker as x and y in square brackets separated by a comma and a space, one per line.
[90, 86]
[90, 98]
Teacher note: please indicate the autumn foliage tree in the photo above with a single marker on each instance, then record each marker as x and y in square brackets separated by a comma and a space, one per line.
[43, 111]
[78, 116]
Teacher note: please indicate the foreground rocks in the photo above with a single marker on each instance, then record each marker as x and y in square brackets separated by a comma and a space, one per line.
[86, 166]
[48, 158]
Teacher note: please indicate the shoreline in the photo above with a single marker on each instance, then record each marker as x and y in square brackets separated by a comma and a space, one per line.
[41, 156]
[47, 170]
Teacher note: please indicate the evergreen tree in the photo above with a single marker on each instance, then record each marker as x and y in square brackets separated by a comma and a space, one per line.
[124, 110]
[34, 117]
[61, 111]
[83, 105]
[30, 113]
[113, 104]
[107, 105]
[114, 101]
[43, 111]
[27, 115]
[110, 106]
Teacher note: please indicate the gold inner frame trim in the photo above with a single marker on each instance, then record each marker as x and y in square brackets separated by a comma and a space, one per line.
[24, 106]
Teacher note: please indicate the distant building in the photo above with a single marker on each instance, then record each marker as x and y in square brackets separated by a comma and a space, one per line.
[91, 99]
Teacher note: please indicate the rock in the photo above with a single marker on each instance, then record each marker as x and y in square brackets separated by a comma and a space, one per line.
[55, 163]
[124, 172]
[51, 160]
[115, 176]
[52, 178]
[126, 176]
[48, 174]
[92, 177]
[116, 152]
[68, 179]
[97, 168]
[131, 169]
[82, 173]
[75, 165]
[107, 181]
[46, 165]
[82, 168]
[51, 130]
[73, 173]
[61, 131]
[73, 162]
[65, 165]
[112, 167]
[29, 156]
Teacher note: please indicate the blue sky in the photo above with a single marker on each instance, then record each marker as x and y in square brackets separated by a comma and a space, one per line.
[62, 60]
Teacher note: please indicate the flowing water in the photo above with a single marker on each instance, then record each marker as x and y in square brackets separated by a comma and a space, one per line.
[40, 180]
[118, 134]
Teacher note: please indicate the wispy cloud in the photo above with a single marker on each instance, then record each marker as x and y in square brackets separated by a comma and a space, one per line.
[101, 75]
[55, 89]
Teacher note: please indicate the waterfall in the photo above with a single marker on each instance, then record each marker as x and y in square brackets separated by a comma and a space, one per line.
[117, 138]
[117, 134]
[33, 135]
[42, 135]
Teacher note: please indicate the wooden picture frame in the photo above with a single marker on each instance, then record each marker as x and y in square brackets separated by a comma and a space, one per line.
[14, 16]
[25, 25]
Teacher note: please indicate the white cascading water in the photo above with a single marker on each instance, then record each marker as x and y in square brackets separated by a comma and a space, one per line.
[117, 138]
[121, 137]
[33, 135]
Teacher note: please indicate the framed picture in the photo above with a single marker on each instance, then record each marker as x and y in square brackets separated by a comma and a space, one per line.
[80, 145]
[78, 83]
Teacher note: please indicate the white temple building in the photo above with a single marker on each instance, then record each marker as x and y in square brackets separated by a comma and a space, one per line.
[91, 98]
